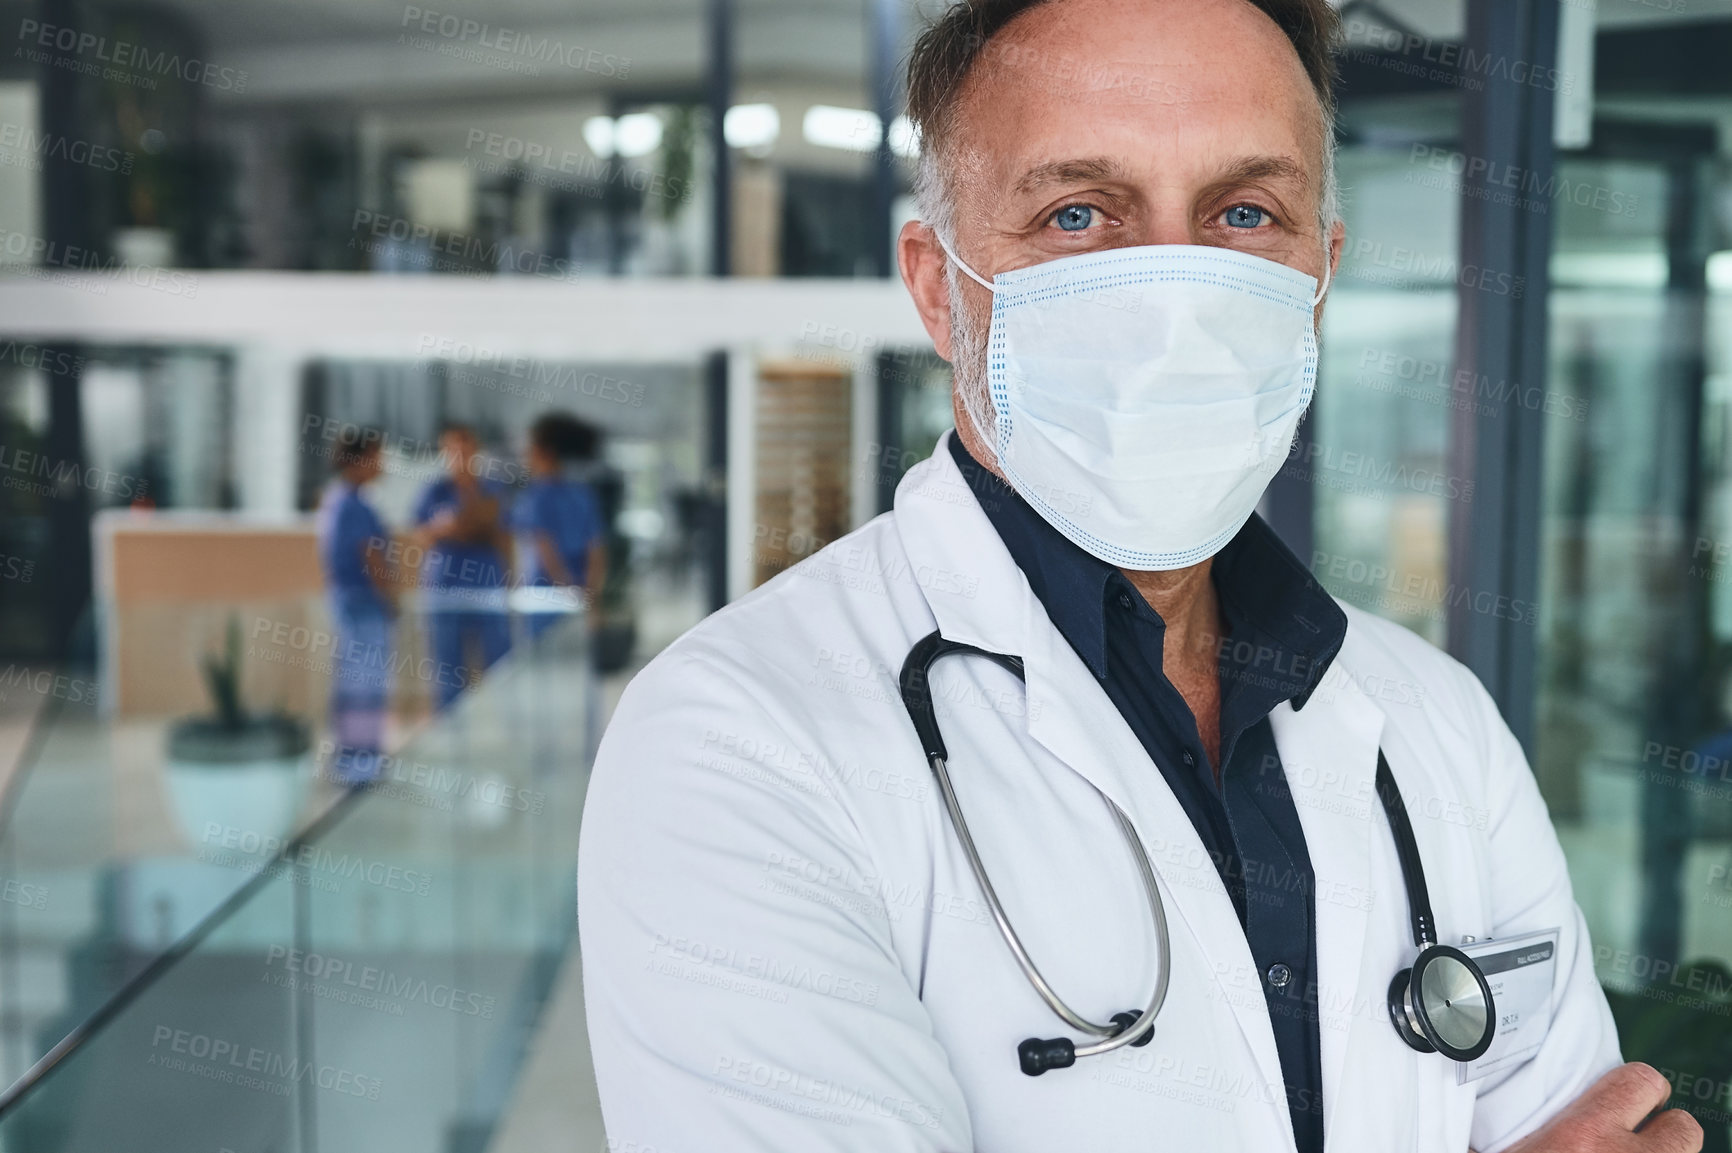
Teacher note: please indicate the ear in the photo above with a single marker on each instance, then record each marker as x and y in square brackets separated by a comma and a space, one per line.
[1337, 245]
[923, 270]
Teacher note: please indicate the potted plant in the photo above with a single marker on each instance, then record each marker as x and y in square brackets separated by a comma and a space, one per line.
[236, 777]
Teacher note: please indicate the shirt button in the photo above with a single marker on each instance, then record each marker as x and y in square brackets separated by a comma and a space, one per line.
[1125, 600]
[1279, 975]
[1190, 760]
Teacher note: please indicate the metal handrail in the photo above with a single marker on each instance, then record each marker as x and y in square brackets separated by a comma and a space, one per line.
[171, 956]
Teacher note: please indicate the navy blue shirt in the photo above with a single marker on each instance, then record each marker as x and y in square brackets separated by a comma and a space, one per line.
[1282, 632]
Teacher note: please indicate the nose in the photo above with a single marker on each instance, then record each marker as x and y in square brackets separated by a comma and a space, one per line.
[1168, 229]
[1169, 224]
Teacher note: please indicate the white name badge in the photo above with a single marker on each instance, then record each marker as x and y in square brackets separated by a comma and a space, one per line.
[1520, 971]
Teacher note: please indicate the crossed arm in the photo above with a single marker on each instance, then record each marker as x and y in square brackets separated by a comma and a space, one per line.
[1614, 1116]
[1615, 1113]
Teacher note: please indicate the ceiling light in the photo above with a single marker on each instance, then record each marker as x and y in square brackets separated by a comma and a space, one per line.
[637, 133]
[853, 129]
[751, 125]
[598, 134]
[634, 134]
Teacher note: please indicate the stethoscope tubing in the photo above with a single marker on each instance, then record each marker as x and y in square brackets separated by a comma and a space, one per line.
[1113, 1035]
[1163, 946]
[1405, 1010]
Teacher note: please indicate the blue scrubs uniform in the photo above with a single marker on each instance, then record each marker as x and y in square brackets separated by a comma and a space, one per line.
[466, 611]
[361, 669]
[568, 514]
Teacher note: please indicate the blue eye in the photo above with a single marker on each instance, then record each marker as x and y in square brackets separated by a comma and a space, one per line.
[1245, 216]
[1074, 217]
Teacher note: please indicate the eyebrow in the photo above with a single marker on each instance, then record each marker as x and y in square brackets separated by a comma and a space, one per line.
[1069, 172]
[1105, 168]
[1265, 168]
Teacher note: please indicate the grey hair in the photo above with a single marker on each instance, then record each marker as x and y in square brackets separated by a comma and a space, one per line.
[933, 196]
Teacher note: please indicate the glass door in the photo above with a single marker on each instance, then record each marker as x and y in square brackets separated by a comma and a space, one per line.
[1634, 724]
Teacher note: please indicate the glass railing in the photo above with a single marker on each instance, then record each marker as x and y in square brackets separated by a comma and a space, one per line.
[63, 947]
[367, 983]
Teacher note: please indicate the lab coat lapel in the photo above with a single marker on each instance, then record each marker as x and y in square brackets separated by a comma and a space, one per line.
[1329, 753]
[944, 530]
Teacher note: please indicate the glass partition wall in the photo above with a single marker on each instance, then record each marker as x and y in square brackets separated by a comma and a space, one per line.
[1373, 454]
[1634, 712]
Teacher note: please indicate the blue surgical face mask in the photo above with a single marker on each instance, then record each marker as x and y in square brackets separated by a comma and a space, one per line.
[1145, 397]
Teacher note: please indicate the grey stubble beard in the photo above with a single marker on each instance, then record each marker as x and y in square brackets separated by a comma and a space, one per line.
[975, 420]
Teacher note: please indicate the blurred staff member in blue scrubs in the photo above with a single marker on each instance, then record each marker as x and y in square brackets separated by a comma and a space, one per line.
[363, 605]
[460, 519]
[558, 521]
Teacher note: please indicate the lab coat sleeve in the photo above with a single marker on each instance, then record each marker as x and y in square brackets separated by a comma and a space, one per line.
[740, 981]
[1530, 890]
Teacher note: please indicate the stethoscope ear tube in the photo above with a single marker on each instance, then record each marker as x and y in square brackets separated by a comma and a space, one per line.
[1035, 1056]
[1407, 851]
[917, 690]
[917, 694]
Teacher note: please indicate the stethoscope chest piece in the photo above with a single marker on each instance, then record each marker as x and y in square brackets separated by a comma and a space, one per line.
[1443, 1005]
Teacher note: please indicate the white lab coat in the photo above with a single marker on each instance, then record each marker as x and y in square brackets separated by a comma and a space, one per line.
[784, 948]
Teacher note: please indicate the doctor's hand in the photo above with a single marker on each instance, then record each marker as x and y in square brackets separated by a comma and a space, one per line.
[1605, 1118]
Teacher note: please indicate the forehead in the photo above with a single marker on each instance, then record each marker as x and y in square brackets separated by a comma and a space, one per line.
[1211, 80]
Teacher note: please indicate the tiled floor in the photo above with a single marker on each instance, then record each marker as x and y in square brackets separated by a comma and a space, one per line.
[555, 1106]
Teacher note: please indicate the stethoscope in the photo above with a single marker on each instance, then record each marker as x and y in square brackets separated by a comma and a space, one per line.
[1441, 1004]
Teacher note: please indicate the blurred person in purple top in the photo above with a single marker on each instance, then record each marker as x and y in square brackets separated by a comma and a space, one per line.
[460, 518]
[352, 548]
[558, 519]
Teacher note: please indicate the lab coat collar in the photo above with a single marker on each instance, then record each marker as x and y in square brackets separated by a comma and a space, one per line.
[1329, 751]
[984, 599]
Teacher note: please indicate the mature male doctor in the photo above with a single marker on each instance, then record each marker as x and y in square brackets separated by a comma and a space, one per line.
[1174, 792]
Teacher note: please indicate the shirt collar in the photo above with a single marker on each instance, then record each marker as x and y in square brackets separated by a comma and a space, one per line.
[1069, 582]
[1268, 596]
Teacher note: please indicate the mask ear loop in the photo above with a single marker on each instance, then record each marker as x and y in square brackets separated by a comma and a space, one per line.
[1322, 290]
[957, 260]
[967, 407]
